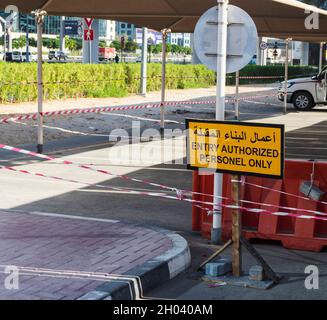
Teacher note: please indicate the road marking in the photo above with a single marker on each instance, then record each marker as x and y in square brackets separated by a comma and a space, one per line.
[263, 103]
[138, 118]
[59, 215]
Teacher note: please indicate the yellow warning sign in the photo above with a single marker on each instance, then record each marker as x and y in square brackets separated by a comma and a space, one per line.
[236, 147]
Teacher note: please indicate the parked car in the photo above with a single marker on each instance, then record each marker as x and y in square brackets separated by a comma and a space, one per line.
[17, 56]
[32, 57]
[8, 57]
[57, 55]
[306, 93]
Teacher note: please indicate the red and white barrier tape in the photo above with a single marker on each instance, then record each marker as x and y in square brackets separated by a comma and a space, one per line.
[76, 111]
[180, 193]
[261, 77]
[281, 192]
[99, 109]
[34, 116]
[166, 196]
[278, 213]
[87, 167]
[256, 97]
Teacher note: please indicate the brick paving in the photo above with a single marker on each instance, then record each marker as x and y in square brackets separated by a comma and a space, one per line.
[63, 258]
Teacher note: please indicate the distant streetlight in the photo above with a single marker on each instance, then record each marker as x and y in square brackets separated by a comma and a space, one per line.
[150, 43]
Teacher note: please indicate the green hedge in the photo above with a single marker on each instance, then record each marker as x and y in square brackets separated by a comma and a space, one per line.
[73, 80]
[276, 70]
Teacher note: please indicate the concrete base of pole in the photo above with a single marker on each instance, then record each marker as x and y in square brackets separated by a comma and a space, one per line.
[39, 148]
[216, 236]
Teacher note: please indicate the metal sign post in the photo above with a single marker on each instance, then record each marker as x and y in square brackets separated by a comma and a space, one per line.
[90, 51]
[236, 214]
[88, 36]
[210, 43]
[237, 93]
[206, 139]
[220, 108]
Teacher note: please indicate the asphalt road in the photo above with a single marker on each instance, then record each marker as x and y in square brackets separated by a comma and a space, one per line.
[27, 193]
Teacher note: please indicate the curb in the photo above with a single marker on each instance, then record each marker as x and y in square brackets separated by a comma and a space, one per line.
[140, 280]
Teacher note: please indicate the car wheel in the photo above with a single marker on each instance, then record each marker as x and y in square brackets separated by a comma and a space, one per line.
[303, 101]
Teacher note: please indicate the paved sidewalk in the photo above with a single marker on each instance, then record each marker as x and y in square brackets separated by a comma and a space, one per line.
[47, 248]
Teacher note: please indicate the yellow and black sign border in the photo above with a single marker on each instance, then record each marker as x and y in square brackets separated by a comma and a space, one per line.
[245, 124]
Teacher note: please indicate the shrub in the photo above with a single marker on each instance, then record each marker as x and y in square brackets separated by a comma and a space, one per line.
[73, 80]
[277, 70]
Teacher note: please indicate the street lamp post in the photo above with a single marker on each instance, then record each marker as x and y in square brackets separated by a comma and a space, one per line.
[3, 21]
[27, 40]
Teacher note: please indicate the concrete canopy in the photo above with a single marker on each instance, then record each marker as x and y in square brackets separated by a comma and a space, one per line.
[274, 18]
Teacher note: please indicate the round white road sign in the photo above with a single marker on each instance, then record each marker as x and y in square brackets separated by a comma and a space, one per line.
[241, 39]
[263, 45]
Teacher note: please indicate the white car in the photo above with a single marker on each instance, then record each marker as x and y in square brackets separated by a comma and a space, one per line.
[32, 57]
[17, 56]
[306, 93]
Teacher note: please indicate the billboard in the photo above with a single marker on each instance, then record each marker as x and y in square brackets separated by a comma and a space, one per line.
[154, 37]
[71, 27]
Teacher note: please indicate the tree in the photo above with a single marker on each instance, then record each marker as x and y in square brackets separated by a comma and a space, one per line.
[32, 42]
[19, 42]
[131, 46]
[168, 47]
[115, 44]
[157, 48]
[102, 44]
[51, 43]
[73, 44]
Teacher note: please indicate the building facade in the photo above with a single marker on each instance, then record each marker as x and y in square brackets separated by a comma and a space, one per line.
[180, 39]
[107, 30]
[124, 29]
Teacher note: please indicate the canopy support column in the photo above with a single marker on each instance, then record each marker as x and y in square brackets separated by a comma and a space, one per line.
[286, 74]
[144, 61]
[321, 56]
[220, 109]
[3, 22]
[163, 80]
[39, 18]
